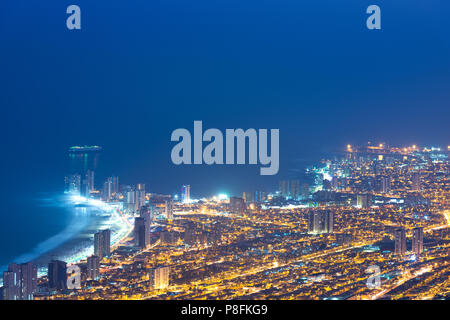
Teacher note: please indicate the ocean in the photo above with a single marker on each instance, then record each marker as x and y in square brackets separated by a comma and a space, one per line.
[50, 226]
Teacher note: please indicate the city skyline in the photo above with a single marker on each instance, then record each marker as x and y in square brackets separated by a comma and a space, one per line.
[287, 185]
[394, 193]
[225, 150]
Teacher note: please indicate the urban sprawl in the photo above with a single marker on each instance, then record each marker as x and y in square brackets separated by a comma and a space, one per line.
[370, 211]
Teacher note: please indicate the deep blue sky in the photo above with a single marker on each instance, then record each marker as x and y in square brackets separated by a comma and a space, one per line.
[140, 69]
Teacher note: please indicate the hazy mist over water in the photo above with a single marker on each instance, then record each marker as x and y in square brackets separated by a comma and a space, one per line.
[33, 224]
[49, 227]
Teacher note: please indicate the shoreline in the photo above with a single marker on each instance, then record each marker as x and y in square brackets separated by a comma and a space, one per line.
[75, 242]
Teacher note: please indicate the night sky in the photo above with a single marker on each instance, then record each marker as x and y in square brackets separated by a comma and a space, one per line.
[140, 69]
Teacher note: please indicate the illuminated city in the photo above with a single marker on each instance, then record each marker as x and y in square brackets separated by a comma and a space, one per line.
[234, 159]
[370, 209]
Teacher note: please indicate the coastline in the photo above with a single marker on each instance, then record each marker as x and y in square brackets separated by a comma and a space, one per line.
[75, 242]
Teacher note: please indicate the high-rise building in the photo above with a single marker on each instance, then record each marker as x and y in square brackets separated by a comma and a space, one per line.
[159, 278]
[329, 222]
[84, 190]
[87, 183]
[93, 267]
[98, 244]
[57, 275]
[106, 246]
[11, 285]
[295, 189]
[140, 195]
[190, 234]
[362, 201]
[186, 193]
[400, 241]
[313, 222]
[237, 205]
[260, 196]
[386, 184]
[254, 197]
[249, 197]
[141, 232]
[417, 240]
[284, 188]
[305, 191]
[140, 199]
[83, 163]
[28, 280]
[102, 243]
[131, 201]
[12, 282]
[146, 213]
[20, 281]
[108, 189]
[320, 222]
[73, 184]
[135, 198]
[90, 180]
[416, 183]
[106, 242]
[169, 209]
[115, 181]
